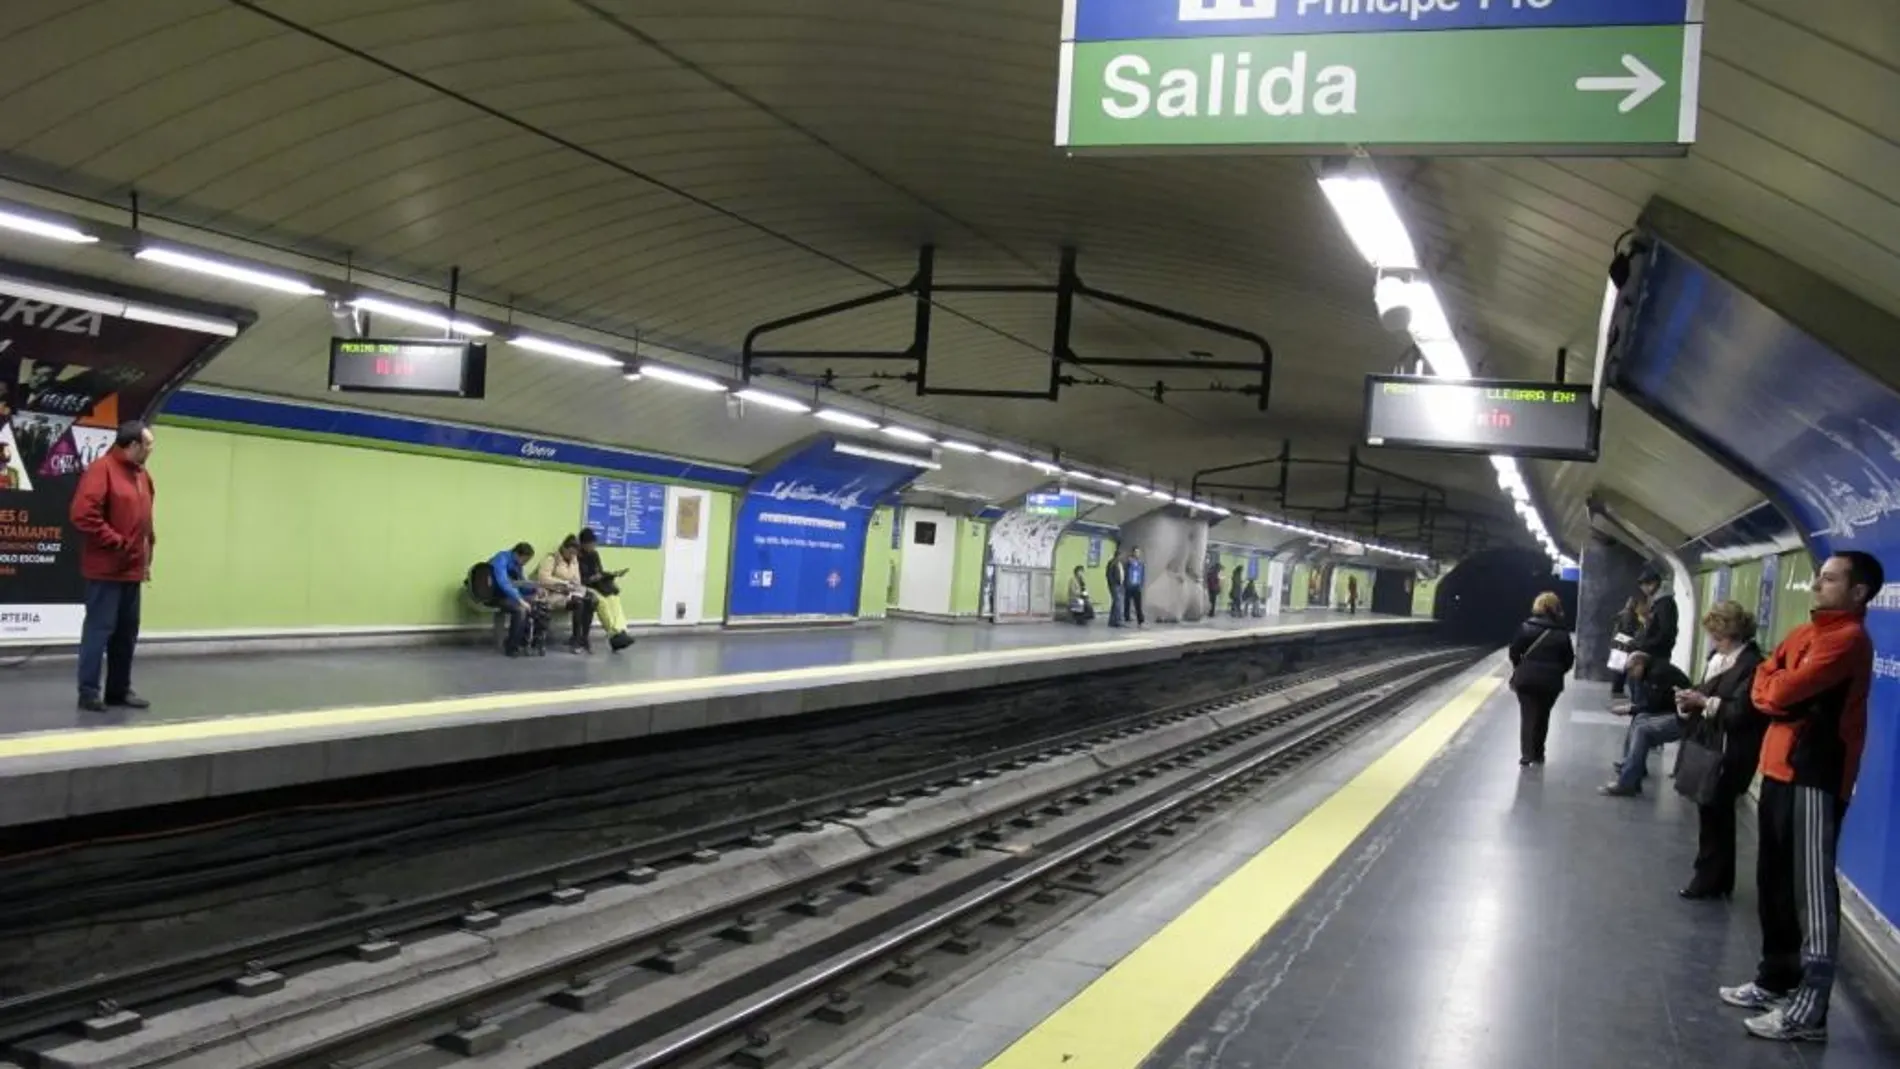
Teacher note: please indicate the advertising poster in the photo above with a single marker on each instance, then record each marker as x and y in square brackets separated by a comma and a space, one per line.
[68, 377]
[1826, 436]
[799, 539]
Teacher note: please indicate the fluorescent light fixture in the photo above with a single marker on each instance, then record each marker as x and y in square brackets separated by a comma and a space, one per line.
[565, 351]
[912, 459]
[44, 228]
[1045, 467]
[1186, 502]
[908, 435]
[1370, 220]
[662, 373]
[205, 265]
[1220, 511]
[846, 419]
[1093, 499]
[1111, 483]
[961, 447]
[79, 299]
[1446, 359]
[632, 375]
[421, 317]
[772, 400]
[1007, 457]
[165, 317]
[1159, 495]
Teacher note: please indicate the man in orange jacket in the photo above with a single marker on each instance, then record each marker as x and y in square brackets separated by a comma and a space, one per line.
[1814, 690]
[112, 509]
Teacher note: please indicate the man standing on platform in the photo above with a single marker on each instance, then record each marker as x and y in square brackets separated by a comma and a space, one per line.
[112, 510]
[1814, 692]
[1117, 573]
[1657, 638]
[1133, 578]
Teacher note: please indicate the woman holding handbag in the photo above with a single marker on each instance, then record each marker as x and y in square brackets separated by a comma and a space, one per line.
[1722, 746]
[1628, 624]
[1541, 656]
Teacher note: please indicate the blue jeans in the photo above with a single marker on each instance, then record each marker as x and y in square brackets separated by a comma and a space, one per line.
[1116, 606]
[107, 640]
[1646, 733]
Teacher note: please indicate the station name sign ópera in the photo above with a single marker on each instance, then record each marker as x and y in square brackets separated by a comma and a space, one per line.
[1543, 77]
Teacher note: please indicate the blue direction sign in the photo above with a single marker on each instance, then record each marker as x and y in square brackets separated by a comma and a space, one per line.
[1131, 20]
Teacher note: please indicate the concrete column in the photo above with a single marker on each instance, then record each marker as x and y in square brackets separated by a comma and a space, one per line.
[1609, 577]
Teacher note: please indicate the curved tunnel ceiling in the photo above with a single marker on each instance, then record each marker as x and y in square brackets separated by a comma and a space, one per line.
[681, 170]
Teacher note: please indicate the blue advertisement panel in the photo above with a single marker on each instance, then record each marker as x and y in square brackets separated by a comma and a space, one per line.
[1724, 582]
[798, 541]
[1770, 584]
[1095, 551]
[1129, 20]
[1825, 435]
[622, 513]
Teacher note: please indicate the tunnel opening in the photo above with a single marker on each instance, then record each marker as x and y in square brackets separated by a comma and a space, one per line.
[1486, 597]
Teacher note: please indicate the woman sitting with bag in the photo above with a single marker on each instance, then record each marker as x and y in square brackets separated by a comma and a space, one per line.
[1628, 623]
[1541, 656]
[1722, 745]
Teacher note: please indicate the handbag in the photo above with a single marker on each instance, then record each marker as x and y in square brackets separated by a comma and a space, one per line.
[1517, 674]
[1619, 660]
[1698, 772]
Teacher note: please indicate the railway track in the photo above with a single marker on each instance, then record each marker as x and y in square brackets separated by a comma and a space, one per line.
[840, 898]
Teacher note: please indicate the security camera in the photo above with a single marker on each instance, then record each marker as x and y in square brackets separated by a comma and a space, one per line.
[1396, 319]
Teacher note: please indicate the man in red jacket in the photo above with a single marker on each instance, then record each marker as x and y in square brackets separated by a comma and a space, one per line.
[112, 509]
[1814, 692]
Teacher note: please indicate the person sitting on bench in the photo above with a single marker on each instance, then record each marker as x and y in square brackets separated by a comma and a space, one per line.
[606, 588]
[560, 587]
[1081, 609]
[512, 595]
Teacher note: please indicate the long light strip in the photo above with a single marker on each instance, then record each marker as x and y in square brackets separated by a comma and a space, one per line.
[702, 383]
[912, 459]
[565, 351]
[1007, 457]
[421, 317]
[908, 435]
[1091, 498]
[961, 447]
[772, 400]
[1371, 221]
[846, 419]
[205, 265]
[112, 306]
[45, 228]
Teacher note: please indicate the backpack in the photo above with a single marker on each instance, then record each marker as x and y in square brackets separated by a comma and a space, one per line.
[481, 583]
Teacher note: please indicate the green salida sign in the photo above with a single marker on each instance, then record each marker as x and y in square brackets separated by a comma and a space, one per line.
[1622, 89]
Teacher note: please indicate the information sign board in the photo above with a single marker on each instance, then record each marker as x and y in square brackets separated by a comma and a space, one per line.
[622, 513]
[1523, 419]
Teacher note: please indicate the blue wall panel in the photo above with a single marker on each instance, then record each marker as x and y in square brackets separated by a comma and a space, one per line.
[1825, 437]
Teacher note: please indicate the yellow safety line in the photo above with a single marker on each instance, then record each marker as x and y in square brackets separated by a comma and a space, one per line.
[78, 740]
[1119, 1020]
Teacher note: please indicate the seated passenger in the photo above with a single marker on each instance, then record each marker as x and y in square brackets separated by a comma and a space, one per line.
[1250, 600]
[511, 593]
[559, 580]
[1081, 610]
[606, 588]
[1655, 721]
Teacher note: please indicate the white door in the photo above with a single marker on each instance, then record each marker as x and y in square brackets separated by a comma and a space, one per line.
[683, 583]
[1270, 596]
[927, 561]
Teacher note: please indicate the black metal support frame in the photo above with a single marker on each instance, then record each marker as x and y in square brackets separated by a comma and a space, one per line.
[923, 289]
[1359, 507]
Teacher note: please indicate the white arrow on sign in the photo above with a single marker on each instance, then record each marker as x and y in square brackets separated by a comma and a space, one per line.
[1641, 84]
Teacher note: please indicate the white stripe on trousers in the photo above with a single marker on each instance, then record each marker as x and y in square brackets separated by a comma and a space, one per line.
[1815, 831]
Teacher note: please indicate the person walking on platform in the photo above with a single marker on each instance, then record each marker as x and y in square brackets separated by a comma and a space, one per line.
[606, 588]
[1133, 574]
[112, 511]
[1654, 721]
[1352, 594]
[1813, 691]
[1721, 716]
[1541, 656]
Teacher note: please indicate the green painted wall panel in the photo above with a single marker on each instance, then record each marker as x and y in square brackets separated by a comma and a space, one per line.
[880, 561]
[1424, 597]
[1302, 575]
[966, 581]
[268, 533]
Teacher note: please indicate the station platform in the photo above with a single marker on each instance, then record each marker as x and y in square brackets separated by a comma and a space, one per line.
[234, 724]
[1414, 901]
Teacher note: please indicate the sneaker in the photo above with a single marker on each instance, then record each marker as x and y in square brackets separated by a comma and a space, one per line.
[1775, 1025]
[1617, 790]
[1752, 996]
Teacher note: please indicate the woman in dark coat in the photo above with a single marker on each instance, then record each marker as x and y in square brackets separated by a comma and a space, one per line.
[1725, 718]
[1541, 656]
[1629, 623]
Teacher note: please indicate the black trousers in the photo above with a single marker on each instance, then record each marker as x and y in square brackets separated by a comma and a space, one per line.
[581, 615]
[1799, 895]
[1533, 721]
[1133, 612]
[1715, 847]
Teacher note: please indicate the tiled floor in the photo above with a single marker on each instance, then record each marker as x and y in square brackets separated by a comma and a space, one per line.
[1511, 919]
[40, 696]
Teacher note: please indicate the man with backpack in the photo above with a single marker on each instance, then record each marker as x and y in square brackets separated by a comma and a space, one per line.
[502, 584]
